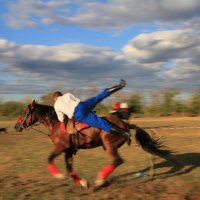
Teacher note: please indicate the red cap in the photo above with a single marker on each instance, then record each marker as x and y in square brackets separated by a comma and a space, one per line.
[116, 106]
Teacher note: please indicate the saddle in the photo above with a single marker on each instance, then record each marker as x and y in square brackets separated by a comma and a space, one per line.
[73, 126]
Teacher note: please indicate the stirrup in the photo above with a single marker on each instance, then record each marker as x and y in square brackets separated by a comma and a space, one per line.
[120, 132]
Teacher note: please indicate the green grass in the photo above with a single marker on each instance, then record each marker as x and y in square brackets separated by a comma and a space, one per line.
[24, 173]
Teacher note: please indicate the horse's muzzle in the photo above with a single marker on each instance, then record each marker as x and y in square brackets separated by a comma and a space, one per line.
[18, 127]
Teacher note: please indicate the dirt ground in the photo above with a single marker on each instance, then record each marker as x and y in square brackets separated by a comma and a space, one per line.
[24, 173]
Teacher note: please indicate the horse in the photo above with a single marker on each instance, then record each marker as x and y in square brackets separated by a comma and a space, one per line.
[85, 138]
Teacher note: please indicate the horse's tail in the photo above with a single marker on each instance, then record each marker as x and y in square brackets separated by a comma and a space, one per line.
[150, 145]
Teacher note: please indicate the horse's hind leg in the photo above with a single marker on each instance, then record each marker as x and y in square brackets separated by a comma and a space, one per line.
[51, 166]
[106, 171]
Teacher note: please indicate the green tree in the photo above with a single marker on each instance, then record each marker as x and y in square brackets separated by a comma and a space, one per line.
[153, 107]
[169, 103]
[180, 107]
[194, 105]
[12, 109]
[47, 99]
[135, 103]
[101, 109]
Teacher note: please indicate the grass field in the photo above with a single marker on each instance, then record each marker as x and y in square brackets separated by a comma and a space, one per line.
[24, 173]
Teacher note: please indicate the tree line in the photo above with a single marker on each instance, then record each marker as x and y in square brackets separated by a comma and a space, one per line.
[166, 102]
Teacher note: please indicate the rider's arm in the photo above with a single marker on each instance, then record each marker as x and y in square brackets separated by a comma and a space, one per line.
[60, 116]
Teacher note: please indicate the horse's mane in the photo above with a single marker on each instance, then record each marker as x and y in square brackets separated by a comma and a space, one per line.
[46, 111]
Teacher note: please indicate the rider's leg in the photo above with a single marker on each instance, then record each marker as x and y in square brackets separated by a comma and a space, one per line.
[119, 131]
[96, 121]
[91, 102]
[116, 87]
[93, 120]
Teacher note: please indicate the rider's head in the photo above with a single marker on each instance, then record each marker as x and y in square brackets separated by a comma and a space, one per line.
[56, 95]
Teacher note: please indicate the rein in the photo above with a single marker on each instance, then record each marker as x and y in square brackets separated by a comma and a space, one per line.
[48, 134]
[39, 131]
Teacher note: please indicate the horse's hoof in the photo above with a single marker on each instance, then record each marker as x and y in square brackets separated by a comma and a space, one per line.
[59, 176]
[84, 184]
[99, 183]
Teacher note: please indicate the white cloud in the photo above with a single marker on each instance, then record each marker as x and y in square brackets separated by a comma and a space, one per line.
[110, 15]
[52, 65]
[182, 70]
[148, 61]
[162, 46]
[173, 54]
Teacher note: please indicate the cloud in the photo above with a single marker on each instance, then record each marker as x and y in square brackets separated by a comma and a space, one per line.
[109, 15]
[183, 74]
[35, 12]
[53, 65]
[173, 54]
[161, 46]
[148, 61]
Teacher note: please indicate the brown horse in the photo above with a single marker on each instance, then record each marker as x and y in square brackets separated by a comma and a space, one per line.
[87, 137]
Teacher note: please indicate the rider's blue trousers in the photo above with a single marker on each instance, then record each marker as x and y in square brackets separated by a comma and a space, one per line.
[83, 112]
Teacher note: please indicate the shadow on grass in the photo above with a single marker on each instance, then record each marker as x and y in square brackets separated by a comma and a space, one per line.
[187, 163]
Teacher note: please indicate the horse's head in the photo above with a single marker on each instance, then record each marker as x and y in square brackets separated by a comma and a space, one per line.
[28, 119]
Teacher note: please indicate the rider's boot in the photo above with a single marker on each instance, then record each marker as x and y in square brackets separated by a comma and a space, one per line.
[116, 87]
[121, 132]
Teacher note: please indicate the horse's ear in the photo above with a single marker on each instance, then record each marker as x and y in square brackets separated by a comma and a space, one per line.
[33, 102]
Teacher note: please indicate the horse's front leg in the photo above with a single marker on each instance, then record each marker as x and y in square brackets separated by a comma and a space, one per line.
[69, 165]
[51, 166]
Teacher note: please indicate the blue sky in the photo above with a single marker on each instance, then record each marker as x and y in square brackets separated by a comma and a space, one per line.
[49, 45]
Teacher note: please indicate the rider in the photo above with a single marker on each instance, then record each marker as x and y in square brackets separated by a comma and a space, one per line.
[67, 104]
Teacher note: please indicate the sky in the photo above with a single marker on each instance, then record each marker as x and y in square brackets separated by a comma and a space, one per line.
[48, 45]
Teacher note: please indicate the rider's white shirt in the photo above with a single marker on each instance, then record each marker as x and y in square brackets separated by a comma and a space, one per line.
[66, 104]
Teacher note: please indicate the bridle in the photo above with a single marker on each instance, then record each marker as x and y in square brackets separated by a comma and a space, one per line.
[23, 123]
